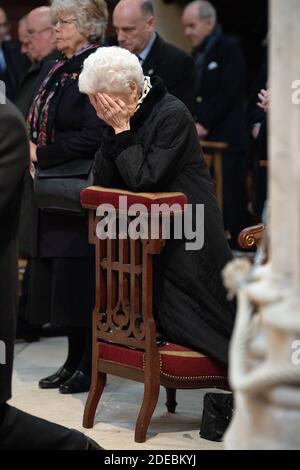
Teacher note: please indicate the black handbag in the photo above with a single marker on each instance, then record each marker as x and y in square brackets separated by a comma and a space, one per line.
[57, 189]
[217, 414]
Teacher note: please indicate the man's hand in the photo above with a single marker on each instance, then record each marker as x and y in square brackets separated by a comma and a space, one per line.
[264, 99]
[201, 131]
[33, 157]
[113, 111]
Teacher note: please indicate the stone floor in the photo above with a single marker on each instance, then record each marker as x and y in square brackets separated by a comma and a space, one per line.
[115, 420]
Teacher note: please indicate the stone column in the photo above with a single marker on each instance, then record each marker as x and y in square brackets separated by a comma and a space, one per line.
[169, 24]
[265, 348]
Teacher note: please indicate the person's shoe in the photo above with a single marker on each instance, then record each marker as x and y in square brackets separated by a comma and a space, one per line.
[57, 379]
[78, 383]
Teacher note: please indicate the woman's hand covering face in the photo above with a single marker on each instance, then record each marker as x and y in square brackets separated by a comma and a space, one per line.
[113, 111]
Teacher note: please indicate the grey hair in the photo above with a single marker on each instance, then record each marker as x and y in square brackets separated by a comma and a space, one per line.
[147, 8]
[91, 16]
[207, 11]
[111, 69]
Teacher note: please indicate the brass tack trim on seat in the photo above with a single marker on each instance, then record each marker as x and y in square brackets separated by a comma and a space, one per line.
[196, 377]
[179, 377]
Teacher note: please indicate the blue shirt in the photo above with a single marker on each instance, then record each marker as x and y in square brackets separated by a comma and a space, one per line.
[143, 54]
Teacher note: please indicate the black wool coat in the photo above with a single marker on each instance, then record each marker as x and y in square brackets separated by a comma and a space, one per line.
[14, 159]
[161, 152]
[175, 67]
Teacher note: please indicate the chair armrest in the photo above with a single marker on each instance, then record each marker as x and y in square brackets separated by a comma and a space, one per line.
[251, 236]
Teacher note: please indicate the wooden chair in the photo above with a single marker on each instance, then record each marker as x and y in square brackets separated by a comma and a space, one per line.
[213, 155]
[124, 330]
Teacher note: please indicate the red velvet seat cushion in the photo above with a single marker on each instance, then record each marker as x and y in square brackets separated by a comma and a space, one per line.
[175, 361]
[96, 195]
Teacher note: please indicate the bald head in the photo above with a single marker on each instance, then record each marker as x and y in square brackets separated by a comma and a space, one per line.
[41, 33]
[198, 19]
[134, 22]
[40, 15]
[4, 25]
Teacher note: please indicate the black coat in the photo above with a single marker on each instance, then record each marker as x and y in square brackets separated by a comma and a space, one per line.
[174, 67]
[14, 158]
[256, 115]
[162, 153]
[78, 133]
[23, 100]
[219, 102]
[17, 65]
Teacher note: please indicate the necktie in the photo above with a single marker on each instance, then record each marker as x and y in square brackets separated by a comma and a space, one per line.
[141, 60]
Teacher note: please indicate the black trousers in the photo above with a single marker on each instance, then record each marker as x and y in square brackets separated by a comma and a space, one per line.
[21, 431]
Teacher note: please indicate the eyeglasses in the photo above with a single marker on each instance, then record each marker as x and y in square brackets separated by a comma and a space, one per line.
[32, 34]
[64, 23]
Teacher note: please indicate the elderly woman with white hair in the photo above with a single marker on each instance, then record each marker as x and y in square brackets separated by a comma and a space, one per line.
[152, 145]
[64, 127]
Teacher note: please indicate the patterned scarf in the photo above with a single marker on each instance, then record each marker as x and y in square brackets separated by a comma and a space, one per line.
[47, 97]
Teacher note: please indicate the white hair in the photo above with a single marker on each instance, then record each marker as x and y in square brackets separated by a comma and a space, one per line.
[111, 69]
[91, 16]
[205, 9]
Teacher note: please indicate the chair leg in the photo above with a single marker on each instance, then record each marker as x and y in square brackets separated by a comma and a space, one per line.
[171, 402]
[151, 394]
[94, 396]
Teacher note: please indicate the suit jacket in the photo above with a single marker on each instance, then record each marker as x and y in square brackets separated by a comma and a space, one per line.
[256, 115]
[175, 67]
[29, 84]
[219, 101]
[17, 65]
[14, 159]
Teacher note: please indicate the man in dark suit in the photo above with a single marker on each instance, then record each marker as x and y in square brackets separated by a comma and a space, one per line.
[41, 47]
[134, 22]
[257, 129]
[18, 430]
[13, 64]
[219, 103]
